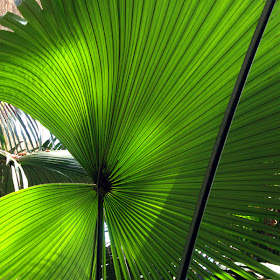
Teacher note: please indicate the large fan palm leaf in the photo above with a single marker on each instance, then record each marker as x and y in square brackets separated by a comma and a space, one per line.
[136, 91]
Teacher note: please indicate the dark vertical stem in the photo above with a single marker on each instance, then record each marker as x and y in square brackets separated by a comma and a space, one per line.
[100, 234]
[93, 255]
[221, 139]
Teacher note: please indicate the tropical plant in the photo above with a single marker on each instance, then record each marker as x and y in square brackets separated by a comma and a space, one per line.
[136, 91]
[20, 136]
[18, 131]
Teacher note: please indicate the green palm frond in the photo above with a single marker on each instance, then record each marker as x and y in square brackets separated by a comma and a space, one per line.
[19, 133]
[53, 167]
[136, 91]
[18, 130]
[247, 182]
[19, 172]
[54, 222]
